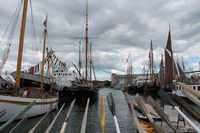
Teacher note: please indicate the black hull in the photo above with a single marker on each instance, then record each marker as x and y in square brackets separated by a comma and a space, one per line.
[78, 92]
[32, 80]
[131, 89]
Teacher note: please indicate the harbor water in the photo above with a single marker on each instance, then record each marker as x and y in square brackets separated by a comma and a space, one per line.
[77, 113]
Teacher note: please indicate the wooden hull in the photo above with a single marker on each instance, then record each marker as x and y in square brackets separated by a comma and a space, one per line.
[148, 127]
[12, 105]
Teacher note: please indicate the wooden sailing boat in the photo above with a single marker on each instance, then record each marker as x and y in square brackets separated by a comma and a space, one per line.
[161, 73]
[33, 75]
[130, 87]
[171, 69]
[169, 62]
[84, 86]
[21, 97]
[173, 73]
[152, 87]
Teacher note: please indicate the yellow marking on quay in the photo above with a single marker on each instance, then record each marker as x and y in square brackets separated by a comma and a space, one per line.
[103, 116]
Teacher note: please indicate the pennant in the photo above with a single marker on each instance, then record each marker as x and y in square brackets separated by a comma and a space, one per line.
[32, 70]
[56, 60]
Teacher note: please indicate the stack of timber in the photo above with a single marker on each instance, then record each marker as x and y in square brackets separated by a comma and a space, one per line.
[134, 116]
[189, 89]
[166, 99]
[152, 102]
[2, 112]
[147, 126]
[191, 94]
[187, 107]
[143, 107]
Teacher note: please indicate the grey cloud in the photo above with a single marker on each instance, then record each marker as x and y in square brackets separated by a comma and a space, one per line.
[118, 24]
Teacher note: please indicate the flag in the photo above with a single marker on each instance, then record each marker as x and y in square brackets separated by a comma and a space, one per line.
[32, 70]
[45, 23]
[127, 58]
[37, 68]
[56, 60]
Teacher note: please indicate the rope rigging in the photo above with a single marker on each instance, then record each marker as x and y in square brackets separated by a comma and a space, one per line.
[12, 22]
[33, 31]
[12, 26]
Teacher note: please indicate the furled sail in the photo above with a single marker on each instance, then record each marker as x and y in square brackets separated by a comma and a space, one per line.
[168, 61]
[161, 73]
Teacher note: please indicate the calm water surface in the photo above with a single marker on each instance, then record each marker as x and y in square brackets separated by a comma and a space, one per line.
[93, 119]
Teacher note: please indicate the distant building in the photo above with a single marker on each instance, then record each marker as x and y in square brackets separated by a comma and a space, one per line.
[118, 81]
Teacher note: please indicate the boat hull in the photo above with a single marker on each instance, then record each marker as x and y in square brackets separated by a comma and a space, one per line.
[12, 105]
[178, 89]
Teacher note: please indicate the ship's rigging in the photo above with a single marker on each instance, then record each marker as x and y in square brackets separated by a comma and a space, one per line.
[9, 33]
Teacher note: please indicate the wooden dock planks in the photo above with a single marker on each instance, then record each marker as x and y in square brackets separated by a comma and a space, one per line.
[193, 98]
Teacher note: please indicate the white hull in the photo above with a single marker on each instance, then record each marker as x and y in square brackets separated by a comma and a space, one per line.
[178, 93]
[178, 89]
[12, 105]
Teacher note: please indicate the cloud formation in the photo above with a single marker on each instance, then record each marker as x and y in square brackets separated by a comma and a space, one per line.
[121, 27]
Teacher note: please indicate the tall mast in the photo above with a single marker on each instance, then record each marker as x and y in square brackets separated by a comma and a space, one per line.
[43, 54]
[151, 62]
[79, 62]
[161, 72]
[93, 71]
[183, 65]
[90, 61]
[129, 70]
[86, 42]
[169, 64]
[21, 44]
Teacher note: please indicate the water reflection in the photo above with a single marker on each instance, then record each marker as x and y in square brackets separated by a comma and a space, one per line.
[93, 120]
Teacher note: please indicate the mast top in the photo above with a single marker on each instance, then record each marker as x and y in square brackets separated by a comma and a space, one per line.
[45, 22]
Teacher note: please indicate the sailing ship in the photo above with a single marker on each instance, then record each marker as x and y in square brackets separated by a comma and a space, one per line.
[171, 73]
[130, 85]
[64, 78]
[45, 100]
[84, 86]
[150, 87]
[55, 71]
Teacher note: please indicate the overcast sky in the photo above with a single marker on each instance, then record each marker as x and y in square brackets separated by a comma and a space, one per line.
[121, 27]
